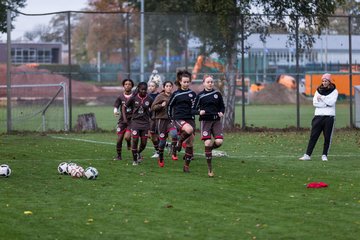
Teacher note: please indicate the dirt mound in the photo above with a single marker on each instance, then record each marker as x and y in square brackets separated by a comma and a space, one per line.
[276, 93]
[29, 75]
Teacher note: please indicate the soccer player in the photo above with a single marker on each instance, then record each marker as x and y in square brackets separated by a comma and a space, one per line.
[123, 130]
[180, 111]
[324, 101]
[140, 103]
[164, 126]
[152, 89]
[209, 104]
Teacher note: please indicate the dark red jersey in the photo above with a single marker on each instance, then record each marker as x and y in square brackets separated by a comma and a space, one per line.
[140, 111]
[119, 102]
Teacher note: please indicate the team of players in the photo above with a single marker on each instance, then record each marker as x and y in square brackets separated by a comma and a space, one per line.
[169, 114]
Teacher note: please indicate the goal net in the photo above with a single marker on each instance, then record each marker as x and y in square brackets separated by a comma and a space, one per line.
[34, 107]
[357, 106]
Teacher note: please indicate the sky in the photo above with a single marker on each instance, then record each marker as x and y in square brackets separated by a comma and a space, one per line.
[26, 23]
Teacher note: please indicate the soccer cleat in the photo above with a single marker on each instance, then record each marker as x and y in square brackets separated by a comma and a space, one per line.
[324, 158]
[211, 174]
[118, 158]
[135, 163]
[174, 157]
[156, 155]
[305, 158]
[186, 169]
[161, 163]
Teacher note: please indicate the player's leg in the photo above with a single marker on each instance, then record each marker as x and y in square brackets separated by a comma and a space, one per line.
[328, 132]
[143, 141]
[127, 137]
[316, 129]
[174, 138]
[120, 131]
[154, 138]
[218, 134]
[134, 145]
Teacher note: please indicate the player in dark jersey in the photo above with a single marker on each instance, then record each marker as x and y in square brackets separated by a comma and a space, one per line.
[122, 129]
[140, 103]
[180, 111]
[152, 89]
[164, 126]
[209, 104]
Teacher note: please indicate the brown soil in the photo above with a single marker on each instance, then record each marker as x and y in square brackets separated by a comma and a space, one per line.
[29, 75]
[276, 93]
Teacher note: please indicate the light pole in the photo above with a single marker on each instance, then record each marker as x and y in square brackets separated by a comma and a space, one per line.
[142, 41]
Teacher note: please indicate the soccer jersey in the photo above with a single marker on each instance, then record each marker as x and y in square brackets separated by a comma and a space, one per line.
[210, 101]
[181, 104]
[140, 118]
[121, 100]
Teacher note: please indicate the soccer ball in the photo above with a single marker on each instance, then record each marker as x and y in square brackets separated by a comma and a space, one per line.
[91, 173]
[62, 168]
[70, 166]
[5, 170]
[77, 172]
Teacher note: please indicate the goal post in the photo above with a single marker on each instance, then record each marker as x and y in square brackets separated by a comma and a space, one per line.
[37, 107]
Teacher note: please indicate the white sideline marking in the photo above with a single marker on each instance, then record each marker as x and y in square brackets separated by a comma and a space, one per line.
[202, 154]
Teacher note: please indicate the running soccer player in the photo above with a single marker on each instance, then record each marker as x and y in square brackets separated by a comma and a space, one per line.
[164, 126]
[209, 104]
[123, 129]
[152, 89]
[180, 111]
[140, 103]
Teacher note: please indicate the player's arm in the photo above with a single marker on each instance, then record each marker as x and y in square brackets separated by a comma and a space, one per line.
[116, 107]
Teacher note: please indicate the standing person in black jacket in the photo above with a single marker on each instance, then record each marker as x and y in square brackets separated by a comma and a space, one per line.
[180, 111]
[209, 104]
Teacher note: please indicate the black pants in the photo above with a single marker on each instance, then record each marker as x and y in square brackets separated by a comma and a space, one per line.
[320, 124]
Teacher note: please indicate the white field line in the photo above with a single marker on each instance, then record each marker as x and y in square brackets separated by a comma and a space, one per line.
[202, 154]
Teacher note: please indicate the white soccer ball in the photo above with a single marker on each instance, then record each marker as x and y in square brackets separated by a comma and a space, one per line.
[70, 167]
[5, 170]
[77, 172]
[91, 173]
[62, 168]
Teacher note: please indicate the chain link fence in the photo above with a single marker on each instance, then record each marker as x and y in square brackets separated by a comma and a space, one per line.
[93, 52]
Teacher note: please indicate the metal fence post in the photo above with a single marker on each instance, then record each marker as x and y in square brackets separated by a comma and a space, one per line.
[69, 70]
[297, 73]
[8, 74]
[350, 74]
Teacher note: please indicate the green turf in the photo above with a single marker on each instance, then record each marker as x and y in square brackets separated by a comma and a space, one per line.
[259, 191]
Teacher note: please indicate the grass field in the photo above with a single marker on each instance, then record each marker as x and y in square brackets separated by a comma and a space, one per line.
[259, 191]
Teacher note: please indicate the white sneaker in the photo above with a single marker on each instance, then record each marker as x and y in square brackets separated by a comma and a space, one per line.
[135, 163]
[156, 155]
[324, 158]
[305, 158]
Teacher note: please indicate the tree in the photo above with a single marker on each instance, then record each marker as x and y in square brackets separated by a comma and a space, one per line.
[308, 17]
[105, 33]
[56, 31]
[339, 25]
[12, 5]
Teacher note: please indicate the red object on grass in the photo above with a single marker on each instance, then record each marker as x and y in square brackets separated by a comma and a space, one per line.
[317, 185]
